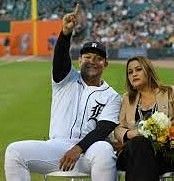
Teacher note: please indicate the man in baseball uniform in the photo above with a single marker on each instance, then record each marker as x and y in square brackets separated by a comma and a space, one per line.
[84, 112]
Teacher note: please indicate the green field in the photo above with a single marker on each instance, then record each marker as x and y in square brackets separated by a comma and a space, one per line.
[25, 97]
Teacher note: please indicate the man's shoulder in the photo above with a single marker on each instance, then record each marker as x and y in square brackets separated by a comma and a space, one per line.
[113, 93]
[73, 75]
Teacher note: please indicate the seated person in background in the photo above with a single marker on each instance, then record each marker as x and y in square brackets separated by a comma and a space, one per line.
[84, 112]
[52, 41]
[144, 96]
[25, 43]
[6, 44]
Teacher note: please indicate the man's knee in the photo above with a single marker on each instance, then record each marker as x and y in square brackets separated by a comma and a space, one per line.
[10, 149]
[101, 151]
[12, 152]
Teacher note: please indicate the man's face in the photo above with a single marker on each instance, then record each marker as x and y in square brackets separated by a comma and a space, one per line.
[92, 66]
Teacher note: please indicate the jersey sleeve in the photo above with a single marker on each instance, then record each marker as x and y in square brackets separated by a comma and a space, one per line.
[100, 133]
[112, 109]
[61, 58]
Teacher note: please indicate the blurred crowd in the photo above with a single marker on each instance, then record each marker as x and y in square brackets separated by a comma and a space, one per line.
[117, 23]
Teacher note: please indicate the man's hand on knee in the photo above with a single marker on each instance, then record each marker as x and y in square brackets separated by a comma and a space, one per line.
[69, 159]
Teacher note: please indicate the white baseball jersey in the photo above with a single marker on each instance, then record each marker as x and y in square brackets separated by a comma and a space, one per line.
[77, 107]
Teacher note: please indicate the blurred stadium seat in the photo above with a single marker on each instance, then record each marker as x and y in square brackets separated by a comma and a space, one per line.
[118, 24]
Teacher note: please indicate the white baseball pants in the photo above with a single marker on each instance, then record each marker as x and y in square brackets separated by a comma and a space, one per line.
[43, 157]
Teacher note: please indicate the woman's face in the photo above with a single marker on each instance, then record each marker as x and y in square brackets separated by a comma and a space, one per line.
[136, 75]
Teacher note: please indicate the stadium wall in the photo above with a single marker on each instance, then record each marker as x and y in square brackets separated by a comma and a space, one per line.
[2, 38]
[45, 29]
[21, 42]
[21, 37]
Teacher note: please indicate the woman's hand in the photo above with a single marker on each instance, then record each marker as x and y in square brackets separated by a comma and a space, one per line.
[118, 146]
[132, 133]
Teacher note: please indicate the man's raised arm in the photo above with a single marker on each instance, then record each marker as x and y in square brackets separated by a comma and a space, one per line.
[61, 59]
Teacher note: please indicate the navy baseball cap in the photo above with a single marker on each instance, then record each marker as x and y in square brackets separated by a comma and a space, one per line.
[94, 47]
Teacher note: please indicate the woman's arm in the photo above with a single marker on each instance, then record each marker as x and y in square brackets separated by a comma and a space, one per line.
[124, 130]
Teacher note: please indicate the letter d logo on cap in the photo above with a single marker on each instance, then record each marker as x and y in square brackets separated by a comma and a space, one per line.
[94, 45]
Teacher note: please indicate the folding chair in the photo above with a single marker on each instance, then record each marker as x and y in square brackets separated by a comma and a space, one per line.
[68, 175]
[120, 175]
[168, 176]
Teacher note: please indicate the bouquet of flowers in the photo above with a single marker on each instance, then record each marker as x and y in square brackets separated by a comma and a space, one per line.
[156, 128]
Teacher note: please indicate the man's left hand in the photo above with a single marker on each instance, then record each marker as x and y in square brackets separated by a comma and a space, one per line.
[69, 159]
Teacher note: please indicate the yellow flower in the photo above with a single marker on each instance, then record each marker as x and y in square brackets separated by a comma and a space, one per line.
[156, 127]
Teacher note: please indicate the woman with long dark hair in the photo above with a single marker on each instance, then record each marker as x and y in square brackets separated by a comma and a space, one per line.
[144, 96]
